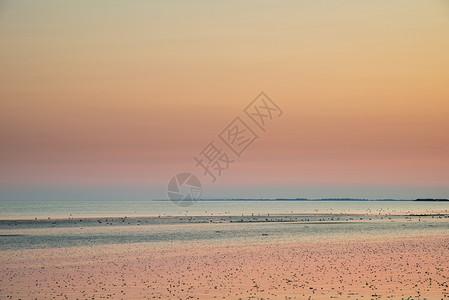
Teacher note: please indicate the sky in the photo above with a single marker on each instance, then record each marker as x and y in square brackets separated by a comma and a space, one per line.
[111, 99]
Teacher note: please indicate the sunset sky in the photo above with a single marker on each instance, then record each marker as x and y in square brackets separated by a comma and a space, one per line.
[110, 99]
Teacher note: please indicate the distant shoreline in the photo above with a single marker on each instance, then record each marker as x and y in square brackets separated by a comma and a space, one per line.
[434, 200]
[251, 199]
[313, 200]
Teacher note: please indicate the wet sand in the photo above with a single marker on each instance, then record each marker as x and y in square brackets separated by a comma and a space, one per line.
[408, 267]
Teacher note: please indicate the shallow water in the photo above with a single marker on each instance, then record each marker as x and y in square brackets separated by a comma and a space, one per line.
[90, 232]
[59, 224]
[63, 209]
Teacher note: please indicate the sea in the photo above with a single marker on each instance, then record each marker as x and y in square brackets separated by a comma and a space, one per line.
[61, 224]
[31, 209]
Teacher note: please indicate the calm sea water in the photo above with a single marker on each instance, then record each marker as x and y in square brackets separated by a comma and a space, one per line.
[63, 209]
[90, 223]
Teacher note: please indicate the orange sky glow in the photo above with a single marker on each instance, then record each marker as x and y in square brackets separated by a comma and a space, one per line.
[99, 99]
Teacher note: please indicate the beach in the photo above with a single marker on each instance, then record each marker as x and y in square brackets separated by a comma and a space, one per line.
[286, 256]
[387, 268]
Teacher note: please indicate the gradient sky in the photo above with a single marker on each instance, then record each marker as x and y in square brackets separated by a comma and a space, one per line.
[110, 99]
